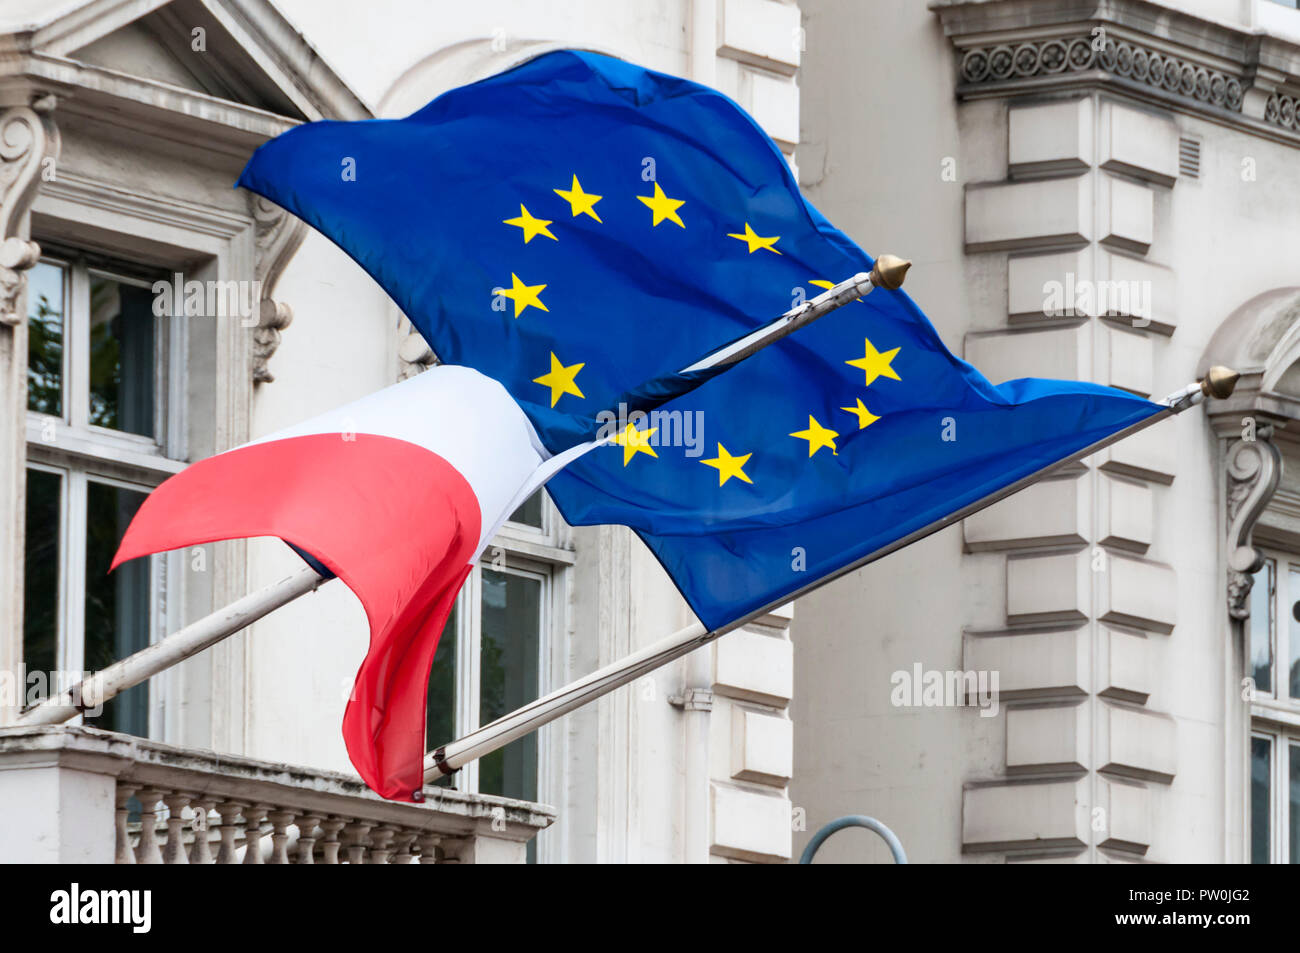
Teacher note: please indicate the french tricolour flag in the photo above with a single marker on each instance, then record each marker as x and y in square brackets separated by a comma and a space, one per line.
[396, 494]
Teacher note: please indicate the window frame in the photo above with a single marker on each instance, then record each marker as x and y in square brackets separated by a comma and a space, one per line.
[545, 554]
[82, 452]
[1275, 714]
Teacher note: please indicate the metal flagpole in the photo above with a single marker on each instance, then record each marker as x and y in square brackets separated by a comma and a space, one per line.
[888, 272]
[1218, 383]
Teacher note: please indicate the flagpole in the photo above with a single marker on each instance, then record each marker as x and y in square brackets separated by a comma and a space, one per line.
[888, 271]
[1217, 383]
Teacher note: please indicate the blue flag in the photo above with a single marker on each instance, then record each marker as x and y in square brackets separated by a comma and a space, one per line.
[582, 229]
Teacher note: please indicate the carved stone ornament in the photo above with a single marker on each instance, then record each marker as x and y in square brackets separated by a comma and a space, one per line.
[278, 235]
[1122, 58]
[29, 144]
[1254, 468]
[414, 356]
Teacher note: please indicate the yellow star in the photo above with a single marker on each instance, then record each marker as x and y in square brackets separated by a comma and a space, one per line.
[755, 242]
[728, 466]
[635, 441]
[865, 417]
[874, 364]
[663, 206]
[580, 202]
[532, 226]
[524, 296]
[560, 379]
[821, 283]
[817, 436]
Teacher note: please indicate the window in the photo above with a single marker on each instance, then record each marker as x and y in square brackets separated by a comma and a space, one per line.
[493, 654]
[96, 445]
[1273, 663]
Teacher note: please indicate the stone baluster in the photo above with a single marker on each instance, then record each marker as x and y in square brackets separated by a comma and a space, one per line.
[146, 850]
[355, 838]
[201, 852]
[229, 810]
[280, 821]
[404, 847]
[307, 825]
[177, 802]
[380, 844]
[428, 847]
[451, 849]
[330, 842]
[124, 854]
[253, 817]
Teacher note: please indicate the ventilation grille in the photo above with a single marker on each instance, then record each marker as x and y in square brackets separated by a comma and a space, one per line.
[1189, 158]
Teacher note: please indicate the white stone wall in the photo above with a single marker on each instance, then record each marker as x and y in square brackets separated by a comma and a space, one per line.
[1099, 595]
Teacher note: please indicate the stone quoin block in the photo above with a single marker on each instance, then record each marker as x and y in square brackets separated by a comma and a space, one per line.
[1036, 214]
[1138, 744]
[1058, 352]
[1052, 588]
[756, 667]
[1050, 738]
[1122, 817]
[1046, 138]
[1125, 214]
[1031, 664]
[1149, 454]
[749, 825]
[761, 33]
[762, 747]
[1138, 143]
[1046, 513]
[1139, 292]
[1127, 664]
[1126, 514]
[774, 102]
[1049, 287]
[1130, 360]
[1025, 815]
[1137, 593]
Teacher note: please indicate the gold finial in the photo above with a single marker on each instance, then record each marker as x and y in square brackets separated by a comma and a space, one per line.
[888, 272]
[1219, 381]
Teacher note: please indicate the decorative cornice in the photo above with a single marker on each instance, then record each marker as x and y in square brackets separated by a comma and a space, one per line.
[1254, 468]
[1147, 50]
[28, 137]
[1121, 58]
[278, 236]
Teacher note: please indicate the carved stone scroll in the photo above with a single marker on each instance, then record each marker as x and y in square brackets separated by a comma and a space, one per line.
[1254, 468]
[278, 235]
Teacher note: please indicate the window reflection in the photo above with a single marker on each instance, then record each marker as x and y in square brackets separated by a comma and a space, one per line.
[121, 356]
[510, 654]
[1262, 595]
[1261, 760]
[117, 604]
[46, 284]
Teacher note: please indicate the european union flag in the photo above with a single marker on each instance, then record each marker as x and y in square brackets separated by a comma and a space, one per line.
[581, 229]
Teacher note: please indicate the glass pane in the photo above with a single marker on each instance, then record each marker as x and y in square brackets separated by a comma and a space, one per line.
[45, 302]
[121, 356]
[530, 511]
[511, 641]
[41, 579]
[1261, 627]
[1293, 599]
[1261, 758]
[440, 713]
[117, 605]
[1294, 786]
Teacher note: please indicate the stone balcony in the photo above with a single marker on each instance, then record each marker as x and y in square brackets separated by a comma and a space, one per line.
[82, 795]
